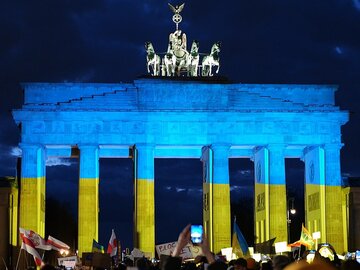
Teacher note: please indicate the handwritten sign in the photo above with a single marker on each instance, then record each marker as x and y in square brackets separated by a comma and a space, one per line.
[188, 252]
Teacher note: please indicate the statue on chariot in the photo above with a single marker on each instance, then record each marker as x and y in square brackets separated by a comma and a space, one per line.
[178, 60]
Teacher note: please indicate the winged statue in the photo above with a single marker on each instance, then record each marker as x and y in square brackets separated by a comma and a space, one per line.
[177, 9]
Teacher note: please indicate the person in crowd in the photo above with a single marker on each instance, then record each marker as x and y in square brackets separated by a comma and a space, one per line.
[251, 264]
[350, 265]
[184, 239]
[240, 264]
[231, 264]
[47, 267]
[143, 264]
[189, 266]
[280, 262]
[173, 262]
[217, 265]
[121, 266]
[266, 265]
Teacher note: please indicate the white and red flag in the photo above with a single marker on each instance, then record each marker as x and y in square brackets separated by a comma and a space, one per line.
[57, 244]
[112, 246]
[35, 238]
[29, 246]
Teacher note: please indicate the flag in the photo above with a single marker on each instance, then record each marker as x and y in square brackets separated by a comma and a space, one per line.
[295, 244]
[239, 245]
[57, 244]
[112, 246]
[306, 238]
[96, 247]
[265, 247]
[35, 238]
[29, 246]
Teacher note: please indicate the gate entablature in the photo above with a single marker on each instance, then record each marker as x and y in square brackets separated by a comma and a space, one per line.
[166, 112]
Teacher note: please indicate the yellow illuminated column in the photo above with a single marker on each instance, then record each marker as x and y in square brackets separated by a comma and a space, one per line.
[270, 194]
[277, 194]
[220, 193]
[207, 161]
[32, 188]
[261, 197]
[88, 215]
[323, 195]
[314, 158]
[144, 216]
[333, 193]
[13, 216]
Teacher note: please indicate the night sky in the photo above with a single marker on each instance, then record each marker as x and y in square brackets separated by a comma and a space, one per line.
[263, 41]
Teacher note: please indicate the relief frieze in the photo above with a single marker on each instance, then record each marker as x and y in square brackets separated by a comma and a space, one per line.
[57, 127]
[260, 202]
[306, 128]
[323, 128]
[116, 127]
[314, 201]
[250, 127]
[36, 127]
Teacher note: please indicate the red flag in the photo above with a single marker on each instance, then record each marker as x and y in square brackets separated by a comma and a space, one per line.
[29, 246]
[57, 244]
[112, 246]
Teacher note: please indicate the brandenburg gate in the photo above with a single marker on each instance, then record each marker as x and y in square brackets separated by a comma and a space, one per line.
[187, 118]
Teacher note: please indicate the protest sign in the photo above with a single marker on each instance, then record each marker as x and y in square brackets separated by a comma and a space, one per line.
[188, 252]
[68, 262]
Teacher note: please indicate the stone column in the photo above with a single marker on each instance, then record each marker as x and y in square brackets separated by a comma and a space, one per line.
[314, 158]
[32, 188]
[261, 198]
[144, 215]
[270, 194]
[277, 194]
[324, 196]
[88, 212]
[207, 161]
[220, 217]
[334, 217]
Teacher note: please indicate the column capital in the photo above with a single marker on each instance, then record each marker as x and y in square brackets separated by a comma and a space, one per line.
[333, 146]
[24, 146]
[220, 147]
[144, 145]
[276, 146]
[308, 149]
[88, 146]
[256, 149]
[220, 144]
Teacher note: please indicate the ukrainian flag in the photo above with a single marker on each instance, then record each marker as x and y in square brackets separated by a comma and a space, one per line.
[239, 245]
[96, 247]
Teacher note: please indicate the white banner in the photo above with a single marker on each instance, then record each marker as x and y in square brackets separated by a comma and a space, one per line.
[68, 262]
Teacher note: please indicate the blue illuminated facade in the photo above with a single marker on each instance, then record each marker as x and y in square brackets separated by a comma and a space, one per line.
[214, 121]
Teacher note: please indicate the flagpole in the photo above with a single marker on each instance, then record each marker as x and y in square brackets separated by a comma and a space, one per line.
[17, 263]
[42, 257]
[4, 263]
[26, 260]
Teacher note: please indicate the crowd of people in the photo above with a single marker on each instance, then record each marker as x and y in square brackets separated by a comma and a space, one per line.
[209, 261]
